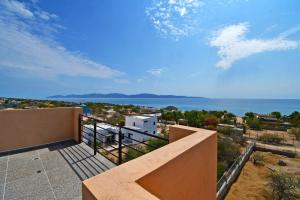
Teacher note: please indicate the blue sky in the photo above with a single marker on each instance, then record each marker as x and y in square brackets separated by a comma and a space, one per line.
[218, 49]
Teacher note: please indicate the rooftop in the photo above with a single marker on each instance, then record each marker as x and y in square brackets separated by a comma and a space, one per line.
[53, 171]
[141, 116]
[42, 157]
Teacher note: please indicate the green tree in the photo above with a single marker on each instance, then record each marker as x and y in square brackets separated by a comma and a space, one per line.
[294, 118]
[276, 114]
[249, 115]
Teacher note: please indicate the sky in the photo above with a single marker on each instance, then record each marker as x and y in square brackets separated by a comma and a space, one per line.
[205, 48]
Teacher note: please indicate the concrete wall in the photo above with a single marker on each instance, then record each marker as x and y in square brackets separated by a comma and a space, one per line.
[27, 128]
[183, 169]
[177, 132]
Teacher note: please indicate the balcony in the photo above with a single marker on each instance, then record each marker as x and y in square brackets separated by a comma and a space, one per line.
[42, 157]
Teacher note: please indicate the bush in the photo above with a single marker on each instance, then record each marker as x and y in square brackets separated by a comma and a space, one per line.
[254, 124]
[225, 131]
[210, 120]
[221, 168]
[228, 151]
[155, 144]
[132, 154]
[270, 138]
[283, 186]
[258, 158]
[296, 133]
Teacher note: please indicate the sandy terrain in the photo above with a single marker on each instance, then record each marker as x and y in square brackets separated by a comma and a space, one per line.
[253, 182]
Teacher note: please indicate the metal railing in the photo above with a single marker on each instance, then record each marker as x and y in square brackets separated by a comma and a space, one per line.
[231, 174]
[117, 143]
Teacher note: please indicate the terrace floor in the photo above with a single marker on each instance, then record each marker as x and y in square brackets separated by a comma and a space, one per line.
[50, 172]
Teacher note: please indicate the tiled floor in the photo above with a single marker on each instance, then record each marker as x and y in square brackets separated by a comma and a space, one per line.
[52, 172]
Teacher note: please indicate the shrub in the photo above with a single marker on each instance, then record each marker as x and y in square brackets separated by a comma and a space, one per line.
[254, 124]
[283, 186]
[132, 154]
[225, 131]
[155, 144]
[270, 138]
[258, 158]
[296, 133]
[221, 168]
[210, 120]
[228, 151]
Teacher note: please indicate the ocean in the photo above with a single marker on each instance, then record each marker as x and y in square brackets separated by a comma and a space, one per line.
[237, 106]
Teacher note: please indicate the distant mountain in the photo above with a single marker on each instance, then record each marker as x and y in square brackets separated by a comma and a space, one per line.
[118, 95]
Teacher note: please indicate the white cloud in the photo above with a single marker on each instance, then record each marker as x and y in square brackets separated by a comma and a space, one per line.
[233, 44]
[175, 18]
[17, 8]
[45, 15]
[23, 10]
[156, 71]
[24, 50]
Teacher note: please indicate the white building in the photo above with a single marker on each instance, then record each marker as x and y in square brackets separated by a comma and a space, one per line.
[146, 124]
[105, 133]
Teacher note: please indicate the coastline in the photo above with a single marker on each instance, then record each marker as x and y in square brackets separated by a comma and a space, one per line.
[236, 106]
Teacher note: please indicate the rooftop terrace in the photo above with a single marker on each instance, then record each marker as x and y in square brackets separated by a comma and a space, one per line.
[53, 171]
[41, 157]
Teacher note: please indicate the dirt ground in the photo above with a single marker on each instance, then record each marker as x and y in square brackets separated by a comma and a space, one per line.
[253, 182]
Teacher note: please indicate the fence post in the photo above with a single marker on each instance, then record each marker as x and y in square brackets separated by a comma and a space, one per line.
[95, 137]
[120, 146]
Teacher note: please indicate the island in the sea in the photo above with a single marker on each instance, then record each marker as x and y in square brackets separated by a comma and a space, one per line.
[119, 95]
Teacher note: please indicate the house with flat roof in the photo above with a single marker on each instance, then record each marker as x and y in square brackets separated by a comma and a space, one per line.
[143, 123]
[105, 133]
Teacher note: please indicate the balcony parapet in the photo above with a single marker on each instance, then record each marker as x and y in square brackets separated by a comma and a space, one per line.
[23, 128]
[184, 169]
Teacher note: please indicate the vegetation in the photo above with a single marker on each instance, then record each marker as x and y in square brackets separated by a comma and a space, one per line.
[271, 138]
[139, 150]
[249, 115]
[132, 153]
[258, 158]
[253, 124]
[228, 151]
[276, 114]
[283, 186]
[296, 133]
[32, 103]
[204, 119]
[294, 118]
[155, 144]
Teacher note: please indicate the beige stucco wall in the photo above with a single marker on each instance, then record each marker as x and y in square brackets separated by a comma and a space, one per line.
[183, 169]
[26, 128]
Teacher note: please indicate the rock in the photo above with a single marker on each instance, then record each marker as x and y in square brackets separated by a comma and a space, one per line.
[282, 163]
